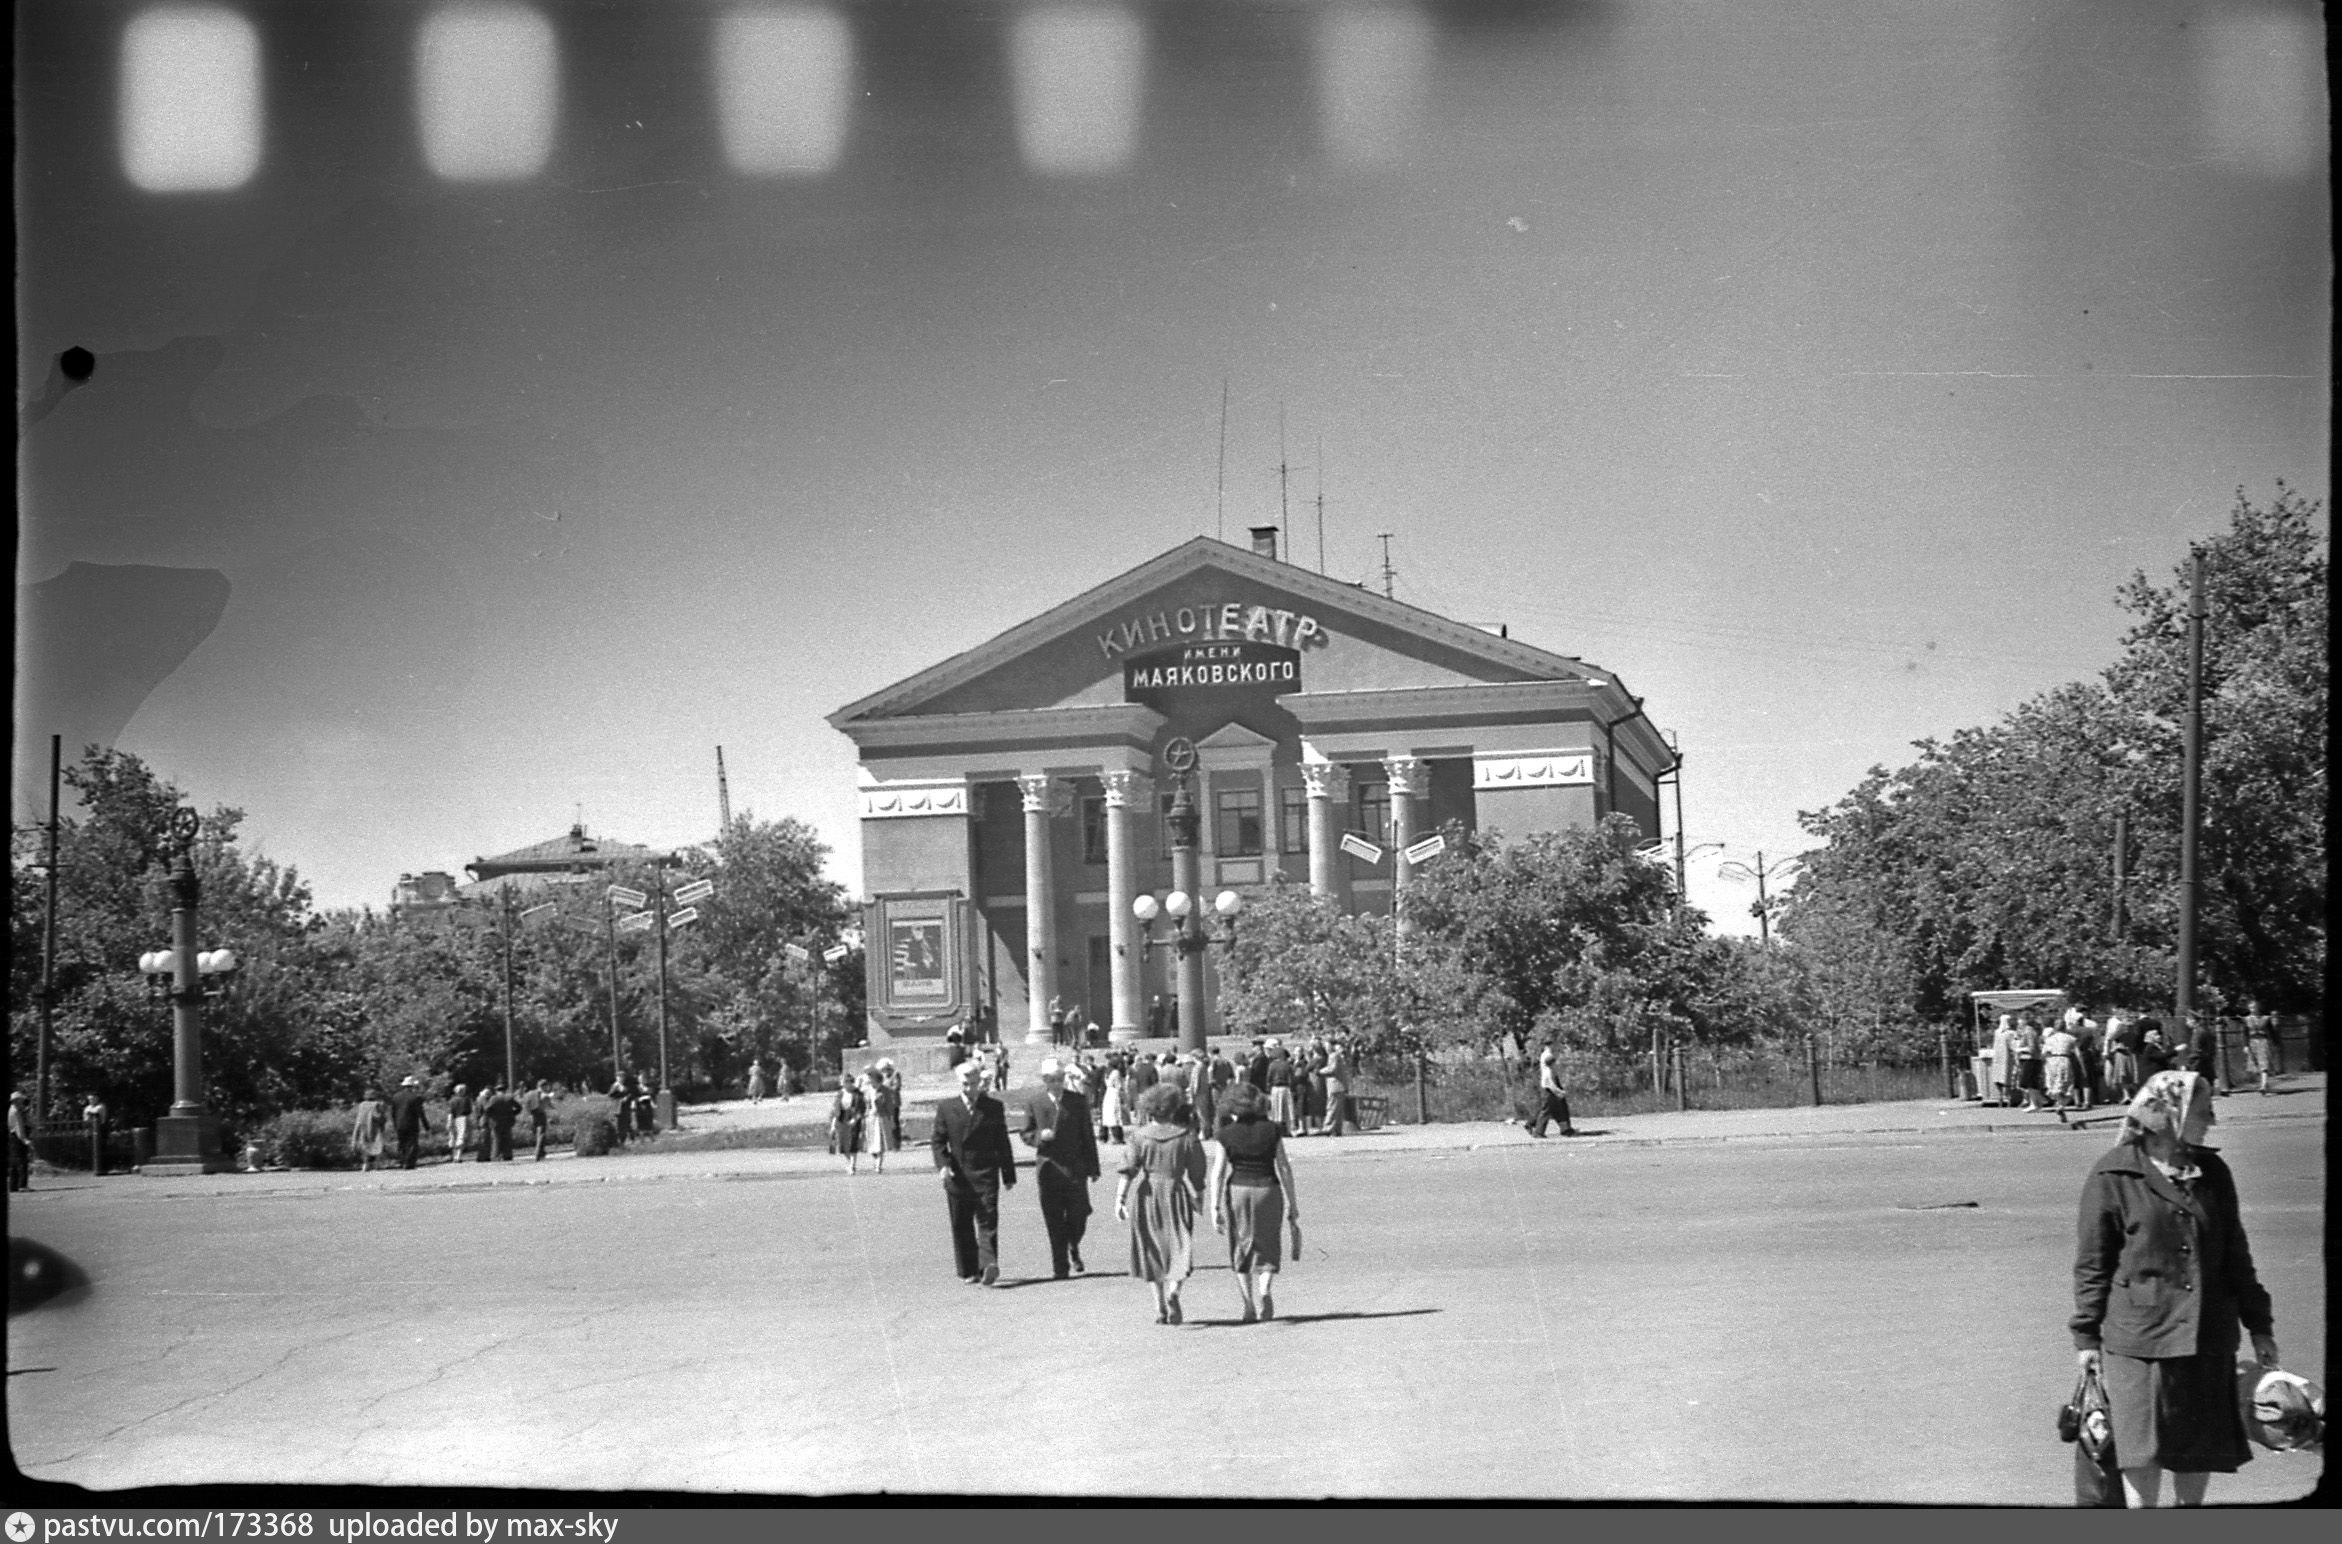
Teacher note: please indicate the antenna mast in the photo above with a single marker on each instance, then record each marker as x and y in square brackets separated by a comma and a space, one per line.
[1284, 509]
[1321, 503]
[723, 791]
[1220, 531]
[1385, 538]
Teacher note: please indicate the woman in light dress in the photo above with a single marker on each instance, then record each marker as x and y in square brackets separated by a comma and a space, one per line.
[1110, 1106]
[874, 1122]
[1162, 1180]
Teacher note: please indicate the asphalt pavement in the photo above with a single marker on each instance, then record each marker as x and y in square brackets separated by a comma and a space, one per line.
[1857, 1303]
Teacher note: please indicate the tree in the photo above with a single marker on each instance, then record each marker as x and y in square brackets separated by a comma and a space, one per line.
[1988, 861]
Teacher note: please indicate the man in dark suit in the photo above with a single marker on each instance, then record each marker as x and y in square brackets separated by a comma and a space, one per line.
[1065, 1152]
[973, 1156]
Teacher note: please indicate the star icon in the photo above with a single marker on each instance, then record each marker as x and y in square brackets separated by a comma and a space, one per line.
[20, 1527]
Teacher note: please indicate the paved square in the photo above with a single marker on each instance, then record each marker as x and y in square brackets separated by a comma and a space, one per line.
[1807, 1319]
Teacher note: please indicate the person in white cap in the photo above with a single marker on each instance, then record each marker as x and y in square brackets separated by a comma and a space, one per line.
[1065, 1154]
[1552, 1101]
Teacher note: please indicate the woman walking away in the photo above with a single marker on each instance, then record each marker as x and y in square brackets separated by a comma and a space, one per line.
[372, 1126]
[2029, 1060]
[2060, 1049]
[756, 1081]
[2163, 1276]
[1251, 1186]
[845, 1124]
[2260, 1045]
[1162, 1179]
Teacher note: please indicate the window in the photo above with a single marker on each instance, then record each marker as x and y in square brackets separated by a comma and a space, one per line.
[1293, 815]
[1374, 811]
[1094, 829]
[1238, 833]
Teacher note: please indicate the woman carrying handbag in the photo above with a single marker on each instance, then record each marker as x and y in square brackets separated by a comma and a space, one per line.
[2163, 1278]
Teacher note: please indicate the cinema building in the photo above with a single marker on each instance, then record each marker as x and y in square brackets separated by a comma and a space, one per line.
[1013, 797]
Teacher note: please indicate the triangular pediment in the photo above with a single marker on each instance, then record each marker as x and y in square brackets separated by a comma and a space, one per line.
[1205, 591]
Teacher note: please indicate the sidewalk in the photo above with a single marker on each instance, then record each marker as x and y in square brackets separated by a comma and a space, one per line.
[2301, 1097]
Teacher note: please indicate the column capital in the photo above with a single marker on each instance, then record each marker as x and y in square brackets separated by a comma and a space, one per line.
[1410, 776]
[1326, 779]
[1043, 794]
[1127, 790]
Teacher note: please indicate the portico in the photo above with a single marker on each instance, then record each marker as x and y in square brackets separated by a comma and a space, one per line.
[1011, 809]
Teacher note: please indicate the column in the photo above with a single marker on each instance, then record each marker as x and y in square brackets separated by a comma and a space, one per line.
[1410, 780]
[1040, 906]
[1126, 792]
[1329, 801]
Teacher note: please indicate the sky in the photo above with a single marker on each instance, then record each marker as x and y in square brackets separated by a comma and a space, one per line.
[498, 408]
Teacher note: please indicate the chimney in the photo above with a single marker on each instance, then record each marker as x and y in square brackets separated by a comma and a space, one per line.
[1264, 541]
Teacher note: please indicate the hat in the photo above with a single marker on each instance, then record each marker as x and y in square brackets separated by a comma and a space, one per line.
[408, 1081]
[16, 1098]
[1051, 1067]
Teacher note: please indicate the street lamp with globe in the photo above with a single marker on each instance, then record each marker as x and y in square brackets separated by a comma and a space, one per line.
[187, 1140]
[1188, 941]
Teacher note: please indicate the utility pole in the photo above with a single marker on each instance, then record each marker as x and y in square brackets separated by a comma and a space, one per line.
[666, 1100]
[610, 926]
[48, 943]
[511, 1065]
[1385, 538]
[723, 792]
[1682, 879]
[2192, 779]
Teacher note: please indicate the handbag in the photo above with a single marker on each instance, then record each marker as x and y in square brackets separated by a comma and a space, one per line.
[2283, 1411]
[2086, 1421]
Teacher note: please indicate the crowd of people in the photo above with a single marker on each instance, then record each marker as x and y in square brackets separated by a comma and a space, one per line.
[481, 1125]
[2075, 1060]
[1203, 1137]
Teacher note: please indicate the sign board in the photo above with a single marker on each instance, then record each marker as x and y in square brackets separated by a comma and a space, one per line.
[687, 914]
[1427, 849]
[835, 953]
[634, 922]
[624, 896]
[798, 954]
[1212, 666]
[1360, 848]
[698, 890]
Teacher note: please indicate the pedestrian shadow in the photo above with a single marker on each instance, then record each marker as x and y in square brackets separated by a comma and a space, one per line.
[1005, 1285]
[1316, 1318]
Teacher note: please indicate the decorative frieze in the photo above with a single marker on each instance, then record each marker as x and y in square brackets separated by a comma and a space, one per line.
[1534, 769]
[885, 800]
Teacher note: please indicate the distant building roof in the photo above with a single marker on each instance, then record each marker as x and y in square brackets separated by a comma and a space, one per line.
[573, 853]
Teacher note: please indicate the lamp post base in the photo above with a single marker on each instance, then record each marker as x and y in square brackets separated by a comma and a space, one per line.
[187, 1144]
[1123, 1034]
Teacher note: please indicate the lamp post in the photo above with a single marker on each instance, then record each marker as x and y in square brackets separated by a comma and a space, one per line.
[187, 1140]
[507, 923]
[1188, 941]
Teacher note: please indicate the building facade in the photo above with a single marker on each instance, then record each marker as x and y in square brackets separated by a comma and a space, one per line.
[1013, 797]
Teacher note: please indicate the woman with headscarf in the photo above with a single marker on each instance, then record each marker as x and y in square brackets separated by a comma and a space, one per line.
[2004, 1060]
[1250, 1183]
[2163, 1277]
[371, 1128]
[1162, 1180]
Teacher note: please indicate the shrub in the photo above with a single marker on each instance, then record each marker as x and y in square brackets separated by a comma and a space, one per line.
[309, 1139]
[593, 1126]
